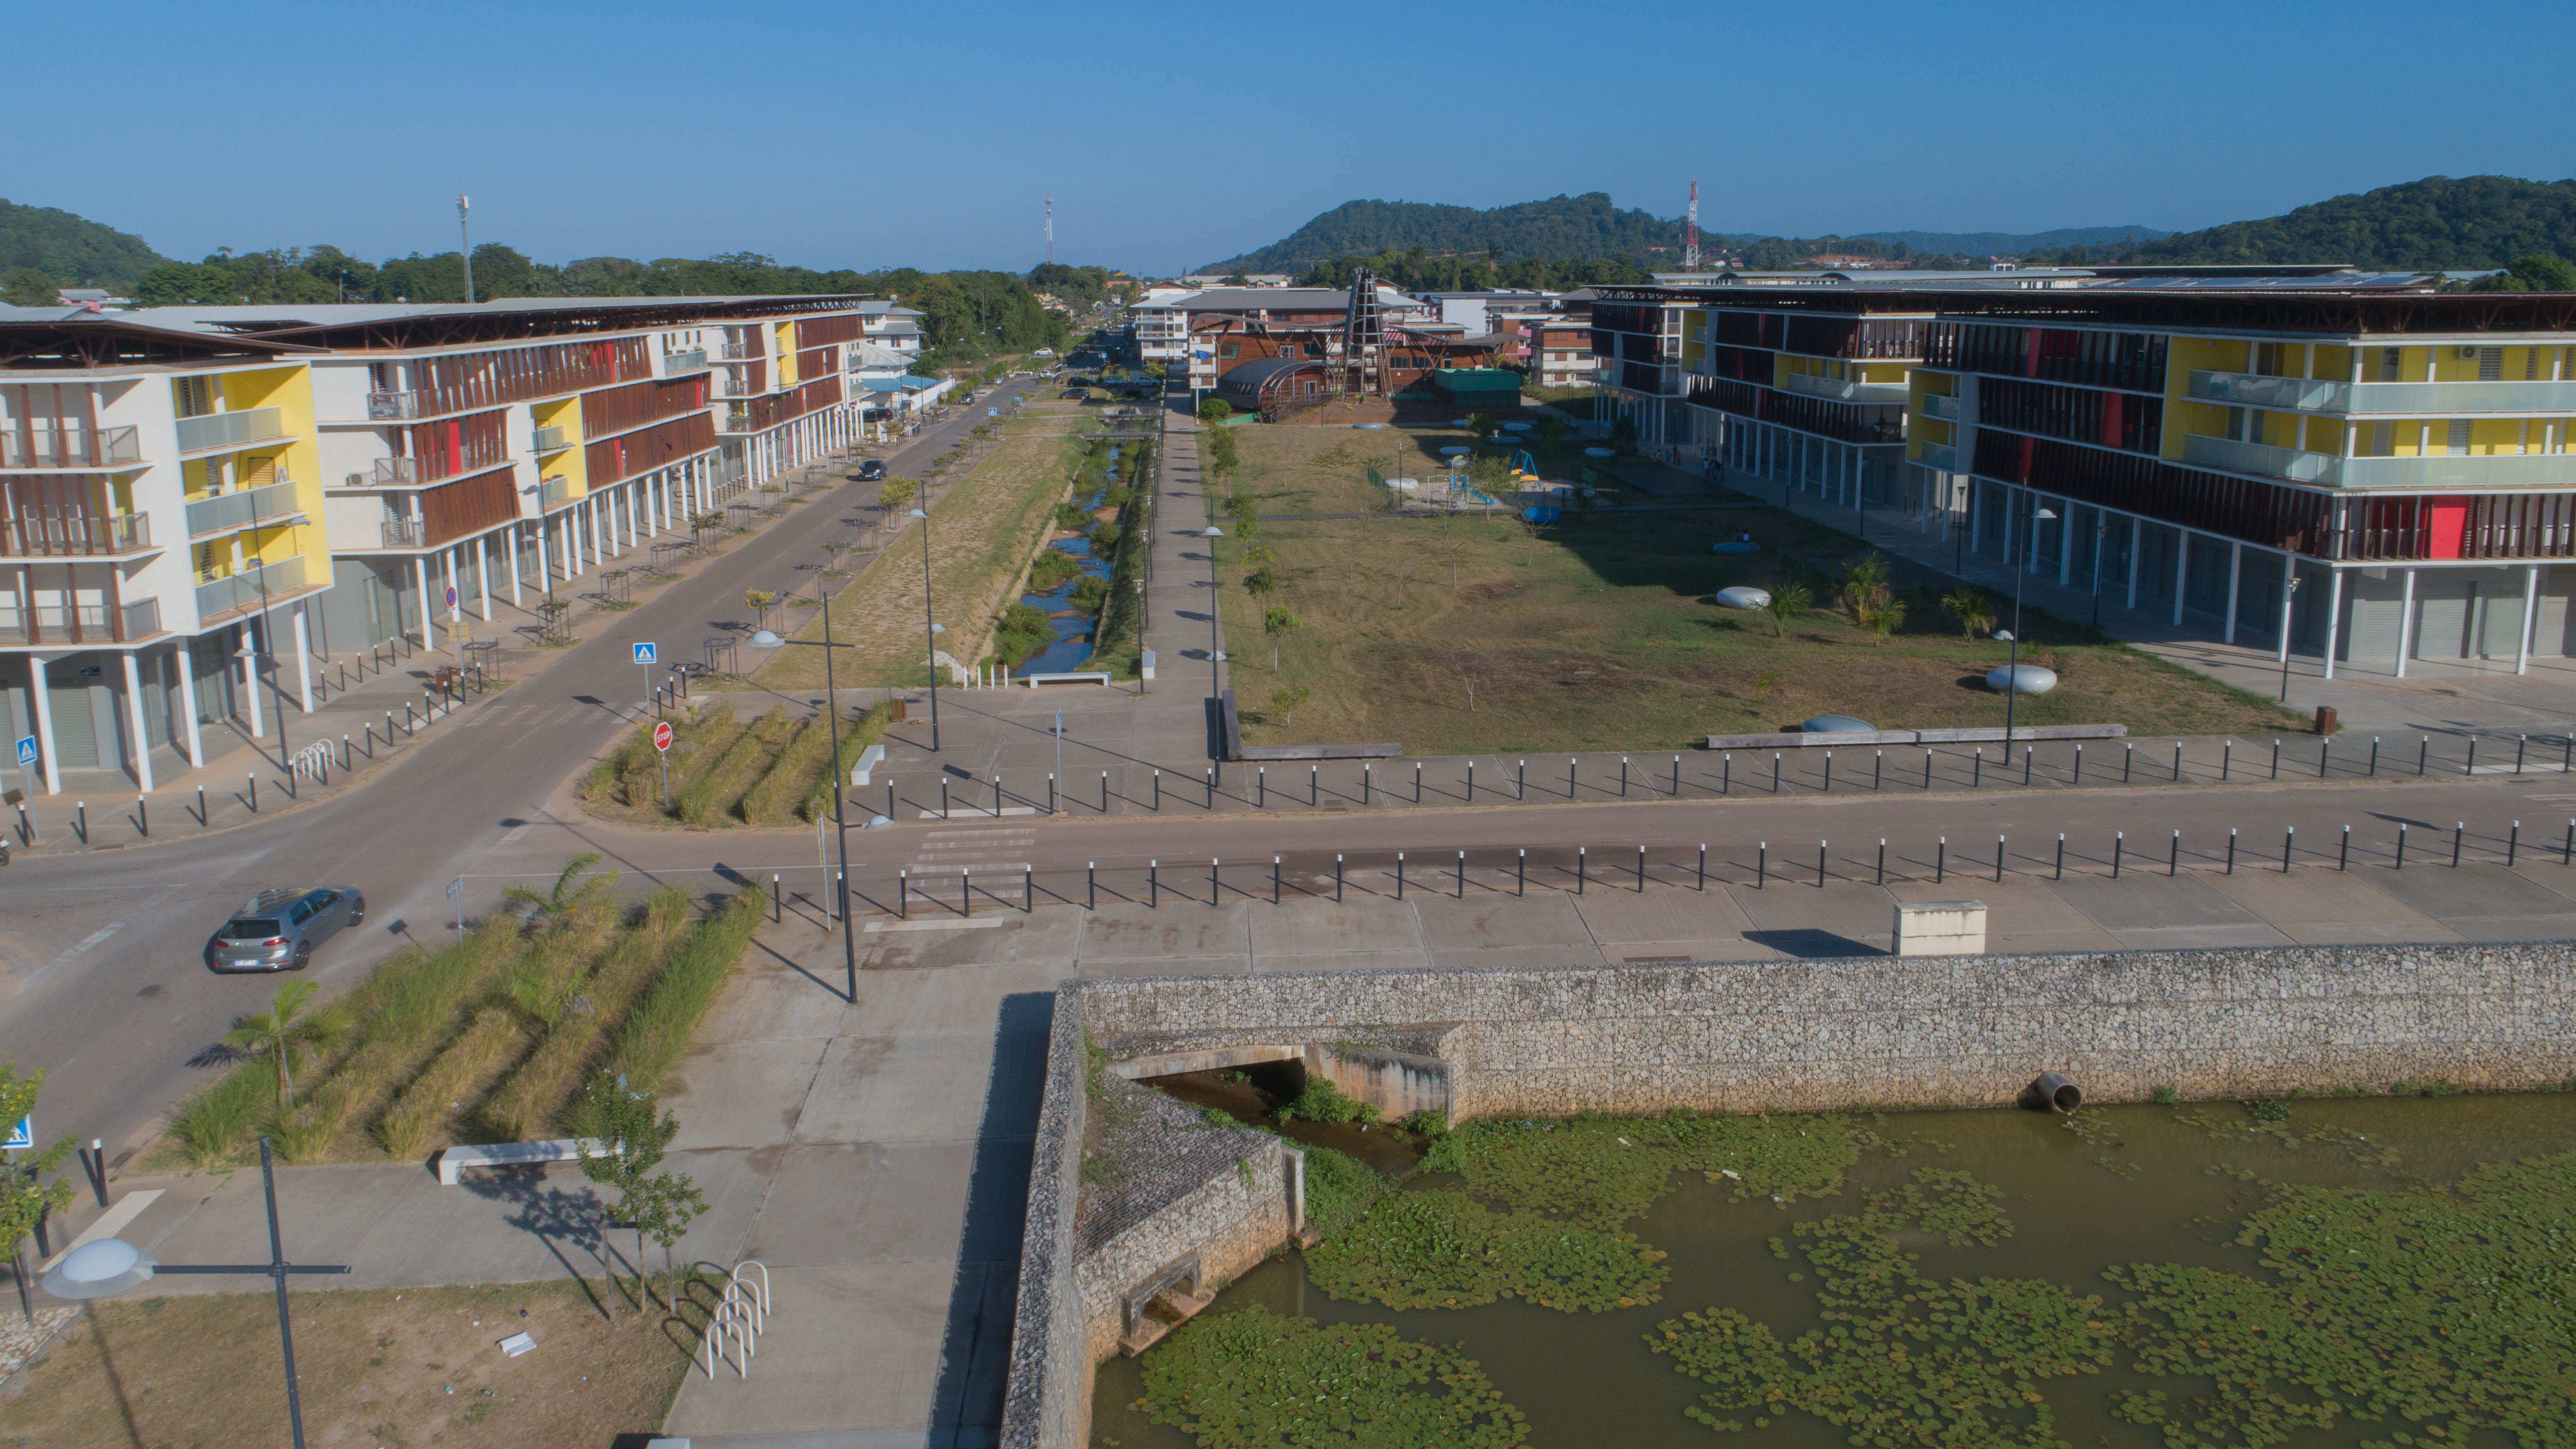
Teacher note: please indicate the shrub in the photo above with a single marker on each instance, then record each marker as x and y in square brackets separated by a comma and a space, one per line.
[2164, 1096]
[433, 1094]
[654, 1034]
[1321, 1101]
[719, 782]
[212, 1123]
[531, 1095]
[791, 776]
[1339, 1187]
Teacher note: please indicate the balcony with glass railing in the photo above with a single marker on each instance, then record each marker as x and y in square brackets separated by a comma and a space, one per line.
[2437, 399]
[247, 589]
[1844, 389]
[554, 491]
[93, 535]
[230, 512]
[64, 448]
[404, 533]
[681, 364]
[1940, 456]
[1941, 405]
[394, 407]
[739, 352]
[78, 623]
[2297, 465]
[2463, 472]
[554, 439]
[397, 471]
[142, 619]
[216, 432]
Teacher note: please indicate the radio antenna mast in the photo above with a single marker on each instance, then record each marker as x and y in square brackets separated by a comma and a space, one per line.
[1050, 231]
[1690, 231]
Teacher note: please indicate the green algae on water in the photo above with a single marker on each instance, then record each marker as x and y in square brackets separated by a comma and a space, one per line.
[1442, 1249]
[1253, 1379]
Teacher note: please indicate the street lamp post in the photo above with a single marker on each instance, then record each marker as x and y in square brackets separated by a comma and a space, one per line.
[1216, 628]
[930, 629]
[766, 639]
[2101, 528]
[2012, 671]
[2289, 597]
[111, 1265]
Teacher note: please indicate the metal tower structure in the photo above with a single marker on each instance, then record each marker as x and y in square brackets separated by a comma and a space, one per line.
[1690, 231]
[1363, 333]
[1050, 231]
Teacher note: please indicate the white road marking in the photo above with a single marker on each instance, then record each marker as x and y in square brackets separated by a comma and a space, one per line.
[962, 923]
[110, 1223]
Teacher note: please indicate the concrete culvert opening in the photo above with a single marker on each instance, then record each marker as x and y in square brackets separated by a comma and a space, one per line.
[2053, 1092]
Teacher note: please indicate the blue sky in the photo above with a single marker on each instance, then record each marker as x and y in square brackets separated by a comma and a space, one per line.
[864, 136]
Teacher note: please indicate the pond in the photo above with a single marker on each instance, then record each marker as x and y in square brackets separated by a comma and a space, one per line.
[2291, 1265]
[1072, 646]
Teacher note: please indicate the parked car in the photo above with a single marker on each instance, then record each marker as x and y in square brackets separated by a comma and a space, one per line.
[278, 930]
[871, 470]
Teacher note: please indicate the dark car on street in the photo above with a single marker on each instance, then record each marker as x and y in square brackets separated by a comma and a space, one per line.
[278, 930]
[871, 470]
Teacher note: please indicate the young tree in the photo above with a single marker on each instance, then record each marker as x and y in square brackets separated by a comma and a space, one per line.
[1973, 609]
[1482, 426]
[569, 894]
[1623, 435]
[1276, 621]
[897, 493]
[287, 1031]
[1214, 410]
[759, 601]
[1787, 603]
[622, 1142]
[1551, 429]
[1287, 699]
[24, 1201]
[1261, 582]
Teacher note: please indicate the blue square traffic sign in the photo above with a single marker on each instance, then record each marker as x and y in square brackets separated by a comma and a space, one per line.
[643, 653]
[26, 749]
[23, 1136]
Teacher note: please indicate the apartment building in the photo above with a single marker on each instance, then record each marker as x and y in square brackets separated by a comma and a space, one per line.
[328, 477]
[2354, 466]
[893, 327]
[161, 536]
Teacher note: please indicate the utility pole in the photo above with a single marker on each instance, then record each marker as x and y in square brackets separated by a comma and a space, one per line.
[1690, 231]
[465, 239]
[1050, 230]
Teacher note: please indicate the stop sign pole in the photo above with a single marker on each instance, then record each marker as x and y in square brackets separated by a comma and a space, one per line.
[662, 752]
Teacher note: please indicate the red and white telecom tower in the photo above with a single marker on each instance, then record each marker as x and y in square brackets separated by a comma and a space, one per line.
[1690, 231]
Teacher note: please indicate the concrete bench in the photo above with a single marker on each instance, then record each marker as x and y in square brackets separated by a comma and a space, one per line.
[512, 1154]
[869, 759]
[1075, 676]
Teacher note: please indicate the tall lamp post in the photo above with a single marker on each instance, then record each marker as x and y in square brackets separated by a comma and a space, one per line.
[1216, 628]
[2289, 597]
[2012, 671]
[112, 1265]
[930, 630]
[766, 639]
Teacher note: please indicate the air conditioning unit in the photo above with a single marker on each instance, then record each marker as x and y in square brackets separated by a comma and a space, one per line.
[356, 480]
[2467, 352]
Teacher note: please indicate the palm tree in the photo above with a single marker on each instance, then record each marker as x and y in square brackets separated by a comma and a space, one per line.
[1973, 608]
[566, 897]
[286, 1029]
[1787, 604]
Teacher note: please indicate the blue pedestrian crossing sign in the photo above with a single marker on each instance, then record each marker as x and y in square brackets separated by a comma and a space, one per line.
[23, 1136]
[26, 749]
[643, 653]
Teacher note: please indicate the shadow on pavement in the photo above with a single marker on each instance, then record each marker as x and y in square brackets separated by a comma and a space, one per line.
[976, 1345]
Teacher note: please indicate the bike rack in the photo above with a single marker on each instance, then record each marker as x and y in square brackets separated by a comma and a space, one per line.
[742, 1314]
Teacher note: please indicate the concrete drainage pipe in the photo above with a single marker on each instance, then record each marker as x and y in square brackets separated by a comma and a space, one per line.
[2053, 1090]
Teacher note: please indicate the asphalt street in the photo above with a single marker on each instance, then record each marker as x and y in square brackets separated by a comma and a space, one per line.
[101, 984]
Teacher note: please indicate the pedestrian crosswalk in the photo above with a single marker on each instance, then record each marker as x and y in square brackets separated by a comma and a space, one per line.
[950, 852]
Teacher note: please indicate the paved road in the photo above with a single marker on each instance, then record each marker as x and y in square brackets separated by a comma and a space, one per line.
[102, 986]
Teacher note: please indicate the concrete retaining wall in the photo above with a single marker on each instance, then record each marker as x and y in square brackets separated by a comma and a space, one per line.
[1824, 739]
[1792, 1035]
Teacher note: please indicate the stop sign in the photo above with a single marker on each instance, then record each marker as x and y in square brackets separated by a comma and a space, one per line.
[662, 736]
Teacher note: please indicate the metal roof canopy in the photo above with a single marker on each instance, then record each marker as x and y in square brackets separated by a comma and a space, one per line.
[93, 340]
[357, 325]
[2265, 309]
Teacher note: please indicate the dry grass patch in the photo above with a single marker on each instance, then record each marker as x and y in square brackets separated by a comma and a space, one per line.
[1467, 634]
[984, 528]
[389, 1367]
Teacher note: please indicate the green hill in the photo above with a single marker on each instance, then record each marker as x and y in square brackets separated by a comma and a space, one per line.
[2439, 222]
[2013, 244]
[1557, 228]
[72, 250]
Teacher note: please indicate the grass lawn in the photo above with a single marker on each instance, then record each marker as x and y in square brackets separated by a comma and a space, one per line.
[984, 528]
[1465, 635]
[392, 1367]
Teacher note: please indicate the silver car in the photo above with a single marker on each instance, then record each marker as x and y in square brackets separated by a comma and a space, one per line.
[277, 930]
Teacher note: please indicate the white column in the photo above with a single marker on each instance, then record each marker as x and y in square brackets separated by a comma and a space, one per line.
[2182, 569]
[2406, 623]
[303, 661]
[420, 572]
[44, 702]
[515, 530]
[2334, 614]
[139, 746]
[188, 705]
[2137, 538]
[483, 577]
[2530, 616]
[250, 679]
[2235, 579]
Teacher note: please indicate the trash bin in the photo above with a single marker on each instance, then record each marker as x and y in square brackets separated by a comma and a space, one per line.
[2326, 724]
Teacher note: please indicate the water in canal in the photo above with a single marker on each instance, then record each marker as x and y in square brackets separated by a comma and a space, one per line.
[2138, 1185]
[1072, 646]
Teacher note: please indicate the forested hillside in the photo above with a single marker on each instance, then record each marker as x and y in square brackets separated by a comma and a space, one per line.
[71, 251]
[2467, 222]
[1558, 228]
